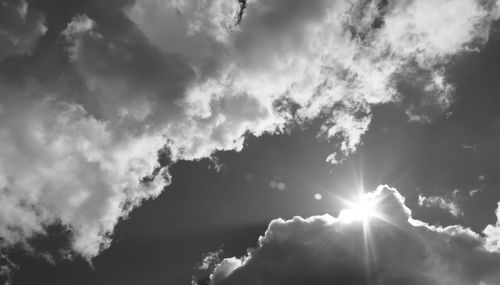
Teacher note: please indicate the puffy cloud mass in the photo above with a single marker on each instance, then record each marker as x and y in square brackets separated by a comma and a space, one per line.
[94, 109]
[315, 58]
[388, 248]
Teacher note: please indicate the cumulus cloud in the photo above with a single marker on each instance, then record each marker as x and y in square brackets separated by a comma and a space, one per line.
[333, 250]
[331, 58]
[492, 233]
[59, 164]
[81, 126]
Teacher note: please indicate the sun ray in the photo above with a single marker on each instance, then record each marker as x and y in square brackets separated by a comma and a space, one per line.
[363, 210]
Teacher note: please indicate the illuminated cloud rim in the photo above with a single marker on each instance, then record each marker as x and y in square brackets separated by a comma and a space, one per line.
[196, 76]
[398, 250]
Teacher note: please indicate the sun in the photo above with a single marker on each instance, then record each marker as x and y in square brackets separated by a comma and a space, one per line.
[361, 210]
[364, 209]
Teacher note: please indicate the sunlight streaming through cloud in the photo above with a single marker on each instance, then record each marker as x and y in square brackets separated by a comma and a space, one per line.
[400, 249]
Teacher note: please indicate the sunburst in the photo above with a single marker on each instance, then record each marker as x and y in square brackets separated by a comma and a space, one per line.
[363, 210]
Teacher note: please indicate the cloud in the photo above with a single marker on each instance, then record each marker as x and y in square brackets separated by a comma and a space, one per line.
[473, 192]
[7, 269]
[331, 250]
[59, 164]
[334, 59]
[83, 119]
[492, 233]
[207, 265]
[448, 204]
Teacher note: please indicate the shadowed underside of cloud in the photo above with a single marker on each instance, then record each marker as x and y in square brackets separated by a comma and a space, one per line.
[85, 109]
[398, 250]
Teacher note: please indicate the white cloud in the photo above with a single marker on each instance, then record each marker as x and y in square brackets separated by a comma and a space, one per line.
[429, 30]
[225, 268]
[60, 164]
[399, 250]
[473, 192]
[326, 56]
[79, 25]
[209, 259]
[446, 203]
[188, 75]
[492, 233]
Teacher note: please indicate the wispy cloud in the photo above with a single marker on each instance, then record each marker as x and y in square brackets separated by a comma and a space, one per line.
[446, 203]
[7, 269]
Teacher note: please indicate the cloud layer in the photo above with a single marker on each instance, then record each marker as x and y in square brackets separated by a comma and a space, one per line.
[397, 250]
[84, 109]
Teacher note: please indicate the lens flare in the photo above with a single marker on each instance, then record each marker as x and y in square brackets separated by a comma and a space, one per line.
[362, 210]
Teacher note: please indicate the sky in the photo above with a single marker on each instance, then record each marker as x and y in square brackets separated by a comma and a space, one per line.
[249, 142]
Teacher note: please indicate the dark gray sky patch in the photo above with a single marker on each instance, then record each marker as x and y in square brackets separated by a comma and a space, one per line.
[21, 27]
[426, 93]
